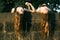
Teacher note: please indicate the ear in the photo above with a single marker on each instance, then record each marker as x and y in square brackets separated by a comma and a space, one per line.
[12, 10]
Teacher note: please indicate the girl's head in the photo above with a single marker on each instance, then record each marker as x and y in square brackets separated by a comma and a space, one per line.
[20, 10]
[43, 9]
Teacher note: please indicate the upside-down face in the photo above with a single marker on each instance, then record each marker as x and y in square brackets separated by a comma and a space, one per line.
[20, 10]
[43, 10]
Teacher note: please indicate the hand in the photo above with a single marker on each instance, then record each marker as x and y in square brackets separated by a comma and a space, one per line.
[12, 10]
[27, 4]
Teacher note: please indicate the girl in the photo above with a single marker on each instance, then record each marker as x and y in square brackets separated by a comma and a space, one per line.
[43, 11]
[17, 20]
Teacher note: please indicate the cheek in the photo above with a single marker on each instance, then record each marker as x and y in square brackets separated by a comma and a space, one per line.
[20, 11]
[44, 11]
[38, 10]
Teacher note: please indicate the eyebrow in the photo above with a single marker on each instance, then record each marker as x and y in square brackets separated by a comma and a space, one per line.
[43, 5]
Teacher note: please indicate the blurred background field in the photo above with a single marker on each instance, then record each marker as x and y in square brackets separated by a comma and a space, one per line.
[30, 29]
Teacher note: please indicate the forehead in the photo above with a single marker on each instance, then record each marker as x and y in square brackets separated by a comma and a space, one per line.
[42, 8]
[19, 7]
[43, 5]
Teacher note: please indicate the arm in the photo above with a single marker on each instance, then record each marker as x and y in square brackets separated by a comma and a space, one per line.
[30, 5]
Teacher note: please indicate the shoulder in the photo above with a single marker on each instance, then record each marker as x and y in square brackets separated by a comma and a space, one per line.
[38, 9]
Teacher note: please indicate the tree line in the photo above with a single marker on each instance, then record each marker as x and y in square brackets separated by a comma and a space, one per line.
[7, 5]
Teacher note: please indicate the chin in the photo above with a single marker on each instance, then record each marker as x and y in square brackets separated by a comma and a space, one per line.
[46, 12]
[20, 12]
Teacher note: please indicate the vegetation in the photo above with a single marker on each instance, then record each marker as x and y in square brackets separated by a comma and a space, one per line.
[6, 5]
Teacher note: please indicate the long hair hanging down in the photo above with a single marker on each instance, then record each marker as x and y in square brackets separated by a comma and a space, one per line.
[17, 25]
